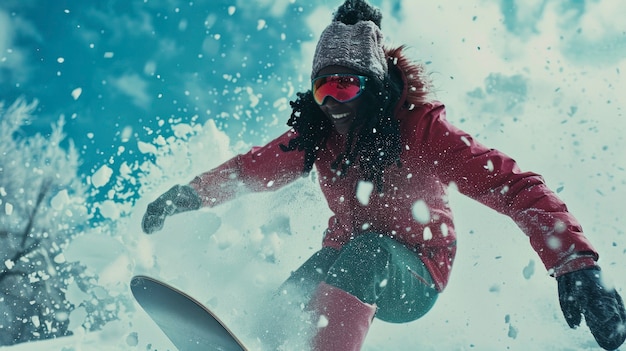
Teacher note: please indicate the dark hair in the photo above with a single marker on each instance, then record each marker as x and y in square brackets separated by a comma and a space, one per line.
[373, 141]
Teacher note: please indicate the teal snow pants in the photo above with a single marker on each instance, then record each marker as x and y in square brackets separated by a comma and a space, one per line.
[377, 270]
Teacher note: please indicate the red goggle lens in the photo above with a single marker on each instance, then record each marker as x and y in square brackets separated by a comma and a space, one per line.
[341, 87]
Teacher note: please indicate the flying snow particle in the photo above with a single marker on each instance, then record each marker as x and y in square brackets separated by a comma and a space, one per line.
[60, 258]
[505, 189]
[420, 212]
[127, 132]
[8, 209]
[322, 322]
[512, 332]
[76, 93]
[146, 148]
[160, 140]
[36, 321]
[102, 176]
[150, 68]
[260, 24]
[60, 60]
[560, 226]
[254, 99]
[60, 200]
[281, 104]
[109, 209]
[554, 243]
[125, 170]
[428, 234]
[109, 54]
[182, 25]
[363, 191]
[465, 140]
[231, 10]
[182, 130]
[489, 166]
[445, 231]
[61, 316]
[529, 270]
[132, 339]
[9, 264]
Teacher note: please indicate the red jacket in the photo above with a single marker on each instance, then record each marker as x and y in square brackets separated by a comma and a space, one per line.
[435, 154]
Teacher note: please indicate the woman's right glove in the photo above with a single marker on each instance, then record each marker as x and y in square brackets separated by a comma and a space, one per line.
[179, 198]
[581, 293]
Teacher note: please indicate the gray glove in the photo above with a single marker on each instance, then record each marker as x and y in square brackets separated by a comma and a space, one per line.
[179, 198]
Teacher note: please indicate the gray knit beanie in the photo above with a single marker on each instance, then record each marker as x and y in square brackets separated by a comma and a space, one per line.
[357, 46]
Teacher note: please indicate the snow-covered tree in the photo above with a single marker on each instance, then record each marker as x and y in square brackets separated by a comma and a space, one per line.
[42, 207]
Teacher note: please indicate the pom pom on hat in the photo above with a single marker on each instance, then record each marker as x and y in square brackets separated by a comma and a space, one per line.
[357, 46]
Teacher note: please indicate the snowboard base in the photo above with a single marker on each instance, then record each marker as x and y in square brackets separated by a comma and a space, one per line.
[190, 325]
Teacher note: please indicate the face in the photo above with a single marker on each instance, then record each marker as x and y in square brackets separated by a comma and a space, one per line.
[342, 114]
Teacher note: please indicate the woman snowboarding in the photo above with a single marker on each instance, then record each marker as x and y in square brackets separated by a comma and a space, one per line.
[367, 121]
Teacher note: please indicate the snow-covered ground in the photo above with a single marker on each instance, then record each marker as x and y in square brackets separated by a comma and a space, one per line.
[231, 257]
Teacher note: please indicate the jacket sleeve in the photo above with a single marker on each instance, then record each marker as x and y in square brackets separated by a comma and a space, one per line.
[264, 168]
[494, 179]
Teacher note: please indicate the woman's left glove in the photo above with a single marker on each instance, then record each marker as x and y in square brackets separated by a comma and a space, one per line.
[583, 293]
[179, 198]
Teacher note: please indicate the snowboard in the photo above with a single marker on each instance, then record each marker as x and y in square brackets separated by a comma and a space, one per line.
[186, 322]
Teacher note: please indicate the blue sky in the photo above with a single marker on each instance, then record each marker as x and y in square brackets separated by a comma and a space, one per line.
[138, 63]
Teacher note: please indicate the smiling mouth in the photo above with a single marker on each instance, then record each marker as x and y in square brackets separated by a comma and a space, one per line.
[340, 115]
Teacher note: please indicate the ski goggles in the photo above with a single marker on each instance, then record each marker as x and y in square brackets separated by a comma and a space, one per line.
[341, 87]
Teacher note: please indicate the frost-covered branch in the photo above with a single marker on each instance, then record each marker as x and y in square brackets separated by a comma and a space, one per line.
[9, 263]
[45, 186]
[43, 206]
